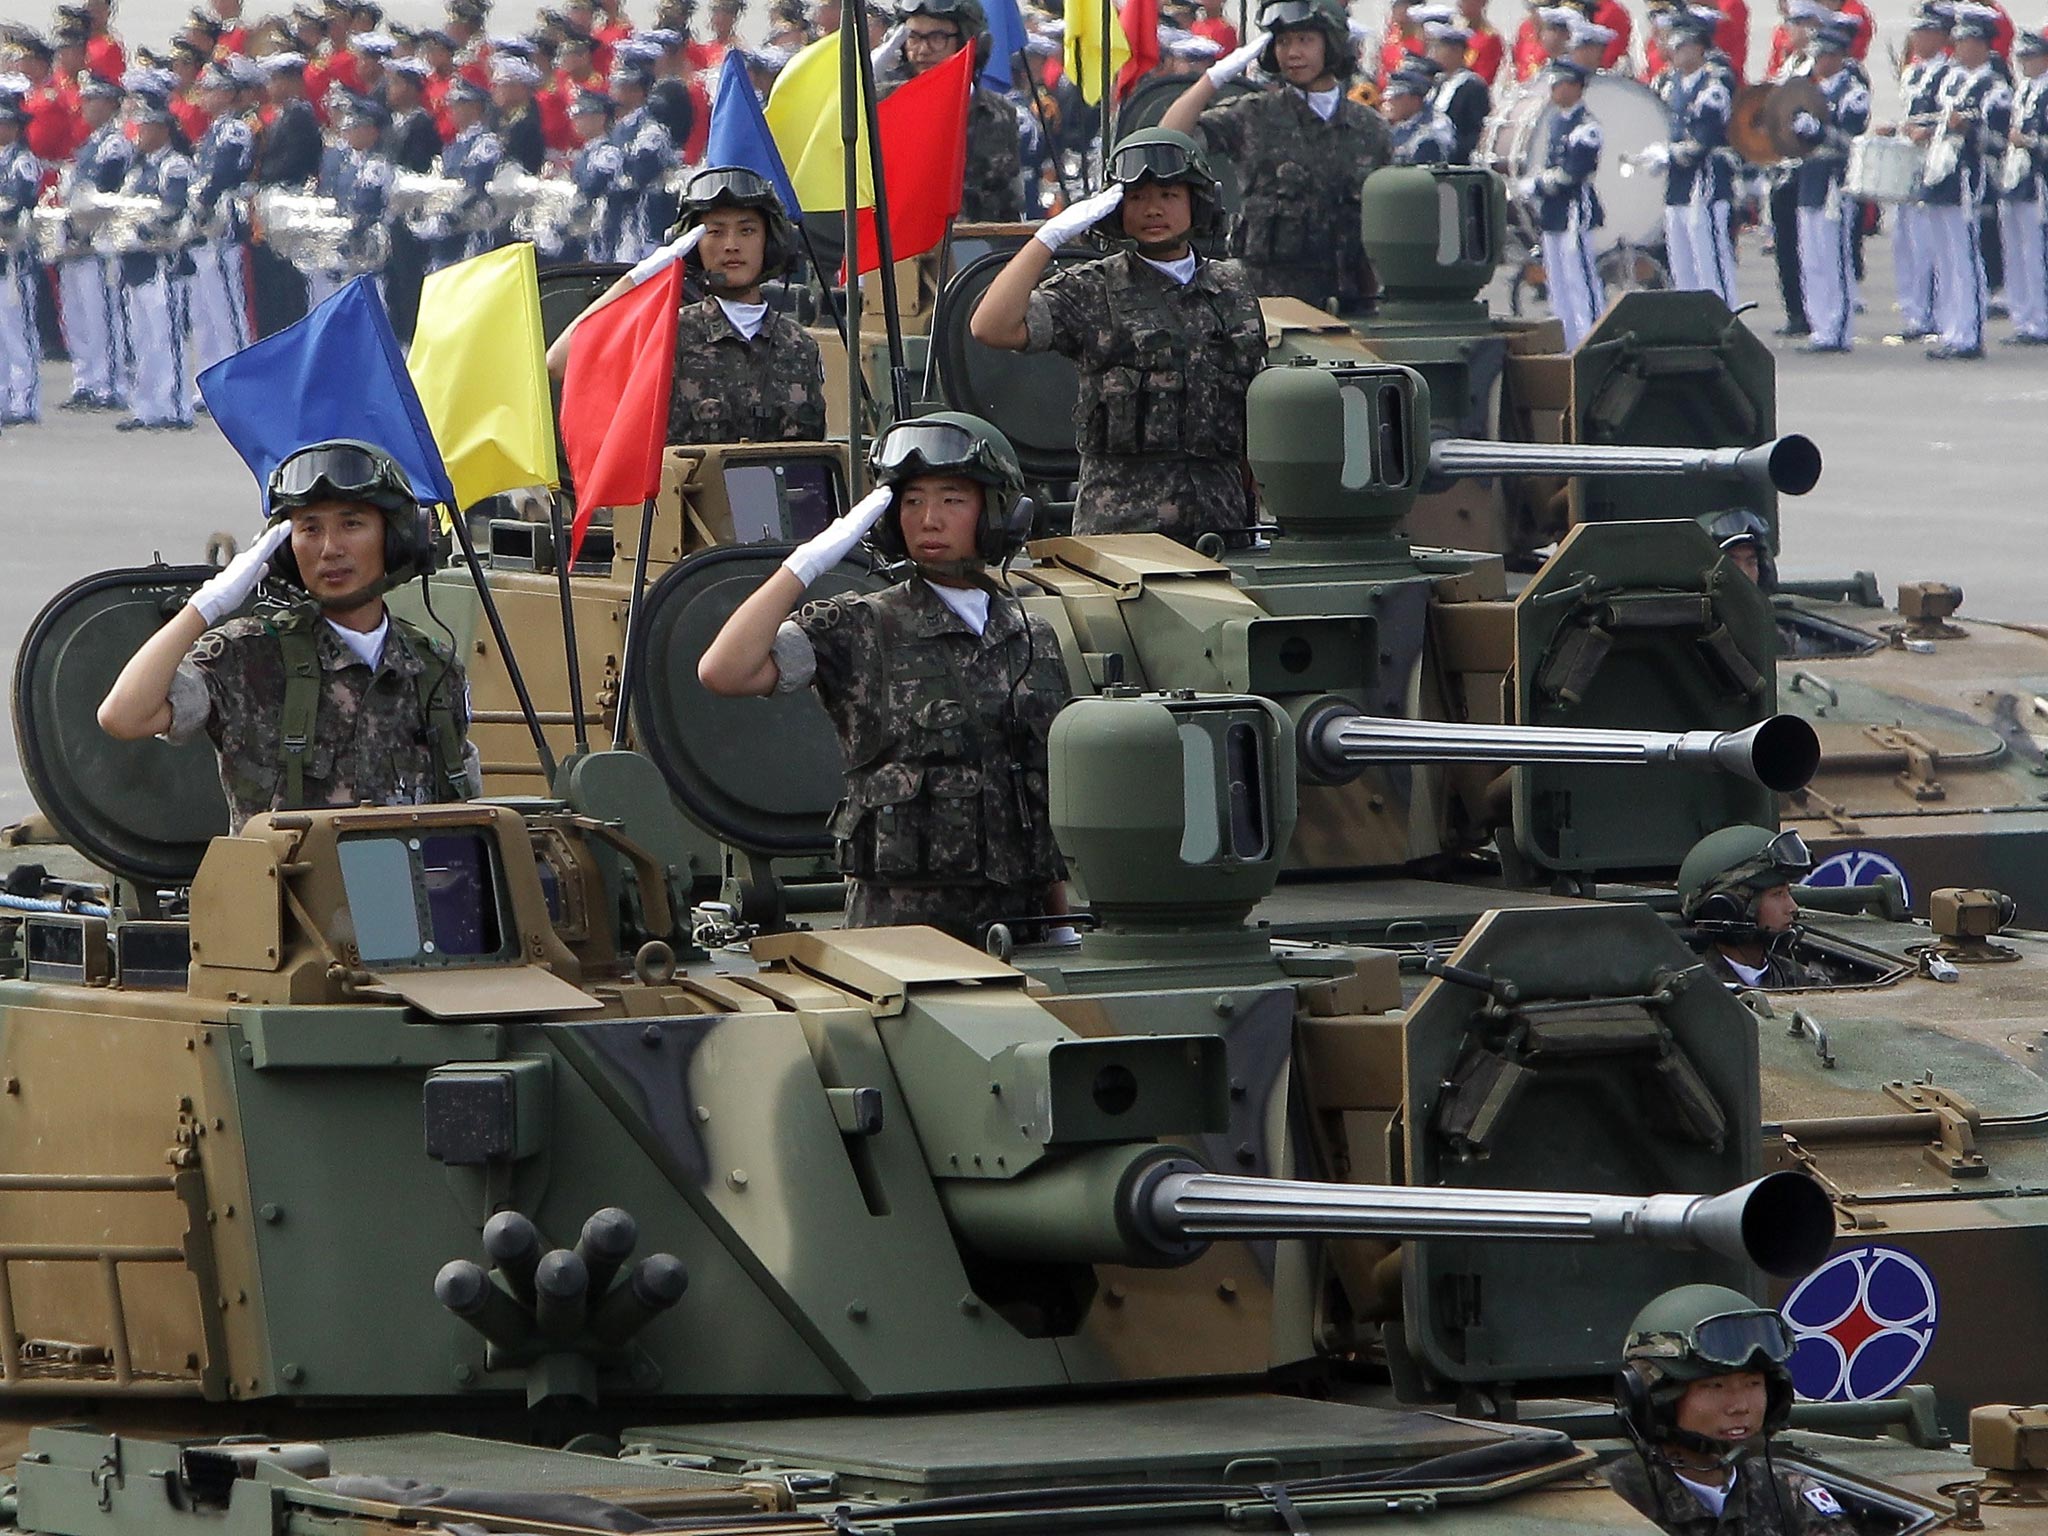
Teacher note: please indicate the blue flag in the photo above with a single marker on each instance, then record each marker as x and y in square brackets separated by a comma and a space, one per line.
[739, 133]
[1005, 42]
[336, 373]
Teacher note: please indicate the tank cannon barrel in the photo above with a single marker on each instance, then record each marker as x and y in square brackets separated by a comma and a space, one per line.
[1780, 753]
[1789, 464]
[1782, 1223]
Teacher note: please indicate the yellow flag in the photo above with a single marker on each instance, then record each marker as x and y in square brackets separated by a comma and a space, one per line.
[803, 117]
[1084, 46]
[480, 367]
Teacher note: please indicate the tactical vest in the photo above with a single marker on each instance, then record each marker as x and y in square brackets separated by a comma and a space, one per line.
[1302, 208]
[1180, 360]
[946, 783]
[298, 638]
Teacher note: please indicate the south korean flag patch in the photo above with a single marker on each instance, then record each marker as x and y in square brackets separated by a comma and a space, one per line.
[1821, 1500]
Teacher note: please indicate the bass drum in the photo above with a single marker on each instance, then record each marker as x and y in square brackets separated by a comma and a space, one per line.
[1632, 117]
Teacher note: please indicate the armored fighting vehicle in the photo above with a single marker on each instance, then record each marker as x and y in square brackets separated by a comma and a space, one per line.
[411, 1166]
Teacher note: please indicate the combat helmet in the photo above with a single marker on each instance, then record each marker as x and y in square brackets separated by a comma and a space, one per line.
[1687, 1335]
[1733, 526]
[1726, 871]
[1168, 157]
[968, 15]
[349, 469]
[734, 186]
[955, 443]
[1327, 16]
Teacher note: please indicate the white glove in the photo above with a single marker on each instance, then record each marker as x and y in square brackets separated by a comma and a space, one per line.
[221, 595]
[808, 561]
[1232, 65]
[1526, 189]
[1082, 217]
[1657, 156]
[1553, 181]
[891, 48]
[1806, 125]
[659, 262]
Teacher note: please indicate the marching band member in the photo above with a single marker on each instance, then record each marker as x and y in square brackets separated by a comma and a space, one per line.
[1567, 207]
[152, 282]
[225, 158]
[1700, 183]
[21, 180]
[1927, 63]
[1422, 135]
[472, 158]
[358, 178]
[88, 285]
[1460, 96]
[646, 152]
[1589, 45]
[1975, 105]
[1827, 271]
[2020, 209]
[595, 171]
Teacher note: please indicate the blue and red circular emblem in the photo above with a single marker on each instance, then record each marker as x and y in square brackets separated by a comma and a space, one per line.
[1862, 1323]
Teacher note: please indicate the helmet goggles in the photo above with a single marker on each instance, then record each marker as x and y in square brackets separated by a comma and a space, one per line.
[1161, 162]
[729, 183]
[1735, 1339]
[932, 447]
[1785, 859]
[340, 472]
[1287, 13]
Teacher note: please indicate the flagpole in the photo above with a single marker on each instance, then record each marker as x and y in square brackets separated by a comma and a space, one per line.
[1108, 84]
[892, 318]
[852, 42]
[460, 523]
[838, 317]
[568, 626]
[632, 662]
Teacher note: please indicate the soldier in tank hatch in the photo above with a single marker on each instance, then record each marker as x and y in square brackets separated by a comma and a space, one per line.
[1166, 341]
[1703, 1386]
[941, 688]
[334, 700]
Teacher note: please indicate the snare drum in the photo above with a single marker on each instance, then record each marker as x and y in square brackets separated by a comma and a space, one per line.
[1884, 169]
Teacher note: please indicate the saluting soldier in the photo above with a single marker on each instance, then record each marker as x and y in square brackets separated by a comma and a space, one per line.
[1302, 150]
[1166, 342]
[1567, 206]
[1699, 187]
[2020, 209]
[226, 159]
[88, 284]
[1422, 135]
[336, 700]
[21, 350]
[942, 690]
[931, 32]
[1975, 107]
[743, 372]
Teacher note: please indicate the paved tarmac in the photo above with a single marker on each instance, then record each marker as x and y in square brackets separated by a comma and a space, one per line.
[1934, 471]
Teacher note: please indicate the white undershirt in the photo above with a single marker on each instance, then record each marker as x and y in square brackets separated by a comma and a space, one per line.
[1324, 103]
[1712, 1496]
[1182, 271]
[745, 318]
[1753, 975]
[367, 647]
[971, 603]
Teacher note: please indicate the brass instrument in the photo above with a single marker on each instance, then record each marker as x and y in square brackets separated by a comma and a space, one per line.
[308, 230]
[1760, 122]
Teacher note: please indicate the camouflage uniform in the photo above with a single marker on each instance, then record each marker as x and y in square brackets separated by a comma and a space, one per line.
[1780, 970]
[944, 820]
[1298, 233]
[729, 389]
[1799, 1505]
[1164, 370]
[370, 739]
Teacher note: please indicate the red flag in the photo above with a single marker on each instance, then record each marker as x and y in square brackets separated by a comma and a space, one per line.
[1140, 20]
[615, 398]
[922, 128]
